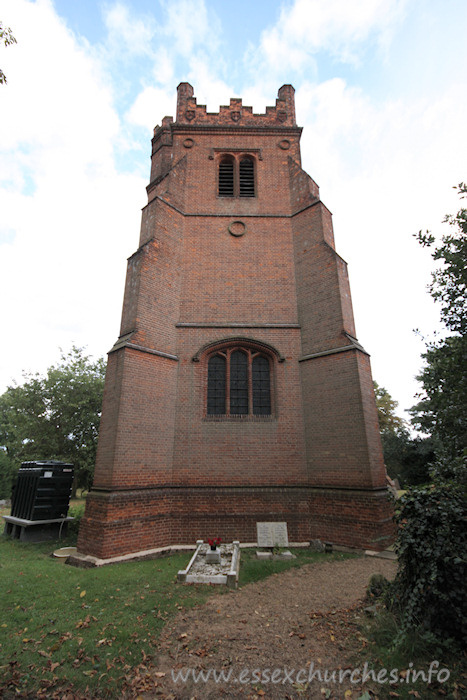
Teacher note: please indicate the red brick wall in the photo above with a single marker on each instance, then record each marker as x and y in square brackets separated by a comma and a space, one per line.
[166, 472]
[163, 517]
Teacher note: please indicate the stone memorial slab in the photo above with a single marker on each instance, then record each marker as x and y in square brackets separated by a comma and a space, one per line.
[272, 534]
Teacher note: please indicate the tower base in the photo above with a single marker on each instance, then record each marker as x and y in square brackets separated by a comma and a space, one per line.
[138, 520]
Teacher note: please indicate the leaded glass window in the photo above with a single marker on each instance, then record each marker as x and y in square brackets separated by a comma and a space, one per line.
[216, 385]
[261, 386]
[239, 383]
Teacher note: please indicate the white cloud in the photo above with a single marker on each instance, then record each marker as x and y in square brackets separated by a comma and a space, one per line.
[69, 218]
[338, 26]
[190, 26]
[127, 34]
[386, 169]
[151, 105]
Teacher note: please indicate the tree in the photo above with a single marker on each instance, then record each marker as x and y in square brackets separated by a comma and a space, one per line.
[407, 459]
[56, 416]
[442, 409]
[449, 282]
[7, 38]
[432, 538]
[7, 474]
[386, 405]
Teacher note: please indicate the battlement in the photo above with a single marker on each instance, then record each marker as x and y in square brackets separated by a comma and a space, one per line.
[234, 114]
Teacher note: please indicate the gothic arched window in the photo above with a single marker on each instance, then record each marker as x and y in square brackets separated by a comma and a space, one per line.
[239, 382]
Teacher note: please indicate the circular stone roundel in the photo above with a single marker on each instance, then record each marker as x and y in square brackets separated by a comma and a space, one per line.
[237, 228]
[188, 143]
[284, 144]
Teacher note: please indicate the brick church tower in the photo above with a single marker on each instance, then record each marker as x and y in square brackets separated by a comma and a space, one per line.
[237, 391]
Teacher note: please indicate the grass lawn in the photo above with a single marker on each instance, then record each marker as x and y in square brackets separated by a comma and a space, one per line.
[88, 629]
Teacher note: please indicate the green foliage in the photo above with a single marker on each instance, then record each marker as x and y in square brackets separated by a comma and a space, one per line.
[377, 586]
[56, 416]
[431, 548]
[76, 511]
[448, 468]
[426, 611]
[386, 406]
[449, 282]
[7, 475]
[416, 651]
[6, 38]
[407, 459]
[442, 409]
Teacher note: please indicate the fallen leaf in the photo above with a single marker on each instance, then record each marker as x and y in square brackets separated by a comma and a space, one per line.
[82, 594]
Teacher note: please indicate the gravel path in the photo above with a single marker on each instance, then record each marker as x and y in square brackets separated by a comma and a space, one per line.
[293, 620]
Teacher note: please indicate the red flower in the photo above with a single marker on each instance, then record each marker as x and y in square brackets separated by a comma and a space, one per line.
[214, 542]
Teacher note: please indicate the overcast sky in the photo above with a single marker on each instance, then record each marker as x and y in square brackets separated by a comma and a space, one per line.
[381, 91]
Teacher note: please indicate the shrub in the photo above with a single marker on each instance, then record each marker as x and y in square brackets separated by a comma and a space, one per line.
[76, 511]
[377, 587]
[431, 546]
[8, 471]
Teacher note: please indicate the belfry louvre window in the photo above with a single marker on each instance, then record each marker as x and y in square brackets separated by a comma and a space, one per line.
[226, 177]
[236, 177]
[239, 383]
[247, 178]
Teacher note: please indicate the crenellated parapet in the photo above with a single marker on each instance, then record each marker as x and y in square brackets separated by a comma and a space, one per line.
[234, 114]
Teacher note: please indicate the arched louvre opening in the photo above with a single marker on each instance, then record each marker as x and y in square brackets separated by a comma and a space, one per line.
[261, 385]
[216, 385]
[247, 178]
[226, 177]
[238, 383]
